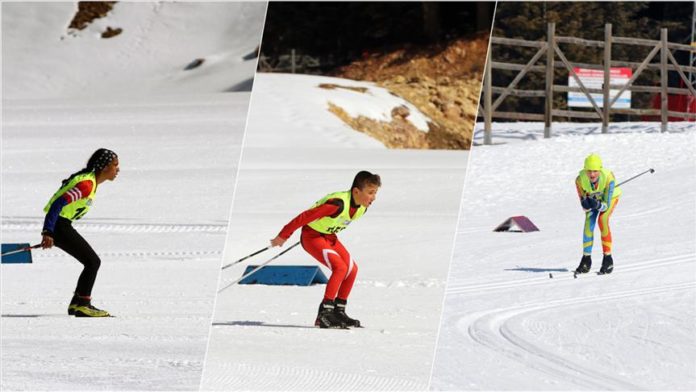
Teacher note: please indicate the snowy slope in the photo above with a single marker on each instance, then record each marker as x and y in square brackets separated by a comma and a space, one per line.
[160, 227]
[263, 336]
[42, 59]
[507, 326]
[300, 118]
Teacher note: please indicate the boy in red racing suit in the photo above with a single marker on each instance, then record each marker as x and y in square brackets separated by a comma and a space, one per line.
[328, 216]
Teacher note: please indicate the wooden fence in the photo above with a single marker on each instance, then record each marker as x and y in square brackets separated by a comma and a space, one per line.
[294, 62]
[551, 51]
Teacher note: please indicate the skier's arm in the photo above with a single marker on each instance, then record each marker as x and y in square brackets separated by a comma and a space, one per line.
[79, 191]
[608, 196]
[329, 208]
[581, 195]
[578, 188]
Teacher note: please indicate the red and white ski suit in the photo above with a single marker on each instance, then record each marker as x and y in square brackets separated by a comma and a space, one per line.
[326, 248]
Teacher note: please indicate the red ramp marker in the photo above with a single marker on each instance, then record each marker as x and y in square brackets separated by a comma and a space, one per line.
[517, 224]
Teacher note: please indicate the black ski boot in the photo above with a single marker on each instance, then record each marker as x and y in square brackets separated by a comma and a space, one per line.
[340, 311]
[607, 265]
[585, 264]
[327, 318]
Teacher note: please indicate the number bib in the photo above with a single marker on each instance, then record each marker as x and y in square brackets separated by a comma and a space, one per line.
[329, 225]
[78, 208]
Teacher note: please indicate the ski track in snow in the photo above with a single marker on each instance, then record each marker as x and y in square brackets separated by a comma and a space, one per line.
[499, 329]
[545, 280]
[496, 329]
[297, 379]
[96, 226]
[29, 226]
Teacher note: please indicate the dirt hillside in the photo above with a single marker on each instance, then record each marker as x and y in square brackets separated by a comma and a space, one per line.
[443, 81]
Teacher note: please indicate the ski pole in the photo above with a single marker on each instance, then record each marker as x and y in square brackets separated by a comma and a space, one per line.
[20, 250]
[246, 257]
[637, 175]
[259, 267]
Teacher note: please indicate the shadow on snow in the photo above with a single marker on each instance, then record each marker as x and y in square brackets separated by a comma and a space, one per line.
[532, 269]
[260, 324]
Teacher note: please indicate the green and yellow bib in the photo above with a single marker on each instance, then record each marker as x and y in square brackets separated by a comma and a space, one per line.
[78, 208]
[605, 177]
[329, 225]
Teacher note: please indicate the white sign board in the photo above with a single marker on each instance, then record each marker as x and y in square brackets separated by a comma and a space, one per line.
[594, 78]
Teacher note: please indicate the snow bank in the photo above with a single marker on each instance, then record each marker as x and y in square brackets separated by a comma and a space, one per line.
[42, 59]
[298, 113]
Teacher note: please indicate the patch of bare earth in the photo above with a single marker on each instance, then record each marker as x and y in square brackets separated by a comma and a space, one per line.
[442, 81]
[88, 11]
[397, 133]
[331, 86]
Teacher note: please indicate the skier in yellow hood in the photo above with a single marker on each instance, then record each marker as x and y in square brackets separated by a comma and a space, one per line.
[598, 195]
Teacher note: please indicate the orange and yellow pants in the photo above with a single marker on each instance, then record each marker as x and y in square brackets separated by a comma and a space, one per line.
[591, 218]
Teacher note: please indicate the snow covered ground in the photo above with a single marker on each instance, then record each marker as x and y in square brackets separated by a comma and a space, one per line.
[159, 228]
[298, 115]
[295, 152]
[43, 58]
[507, 326]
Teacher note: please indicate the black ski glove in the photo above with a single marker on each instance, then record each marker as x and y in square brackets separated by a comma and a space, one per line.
[590, 203]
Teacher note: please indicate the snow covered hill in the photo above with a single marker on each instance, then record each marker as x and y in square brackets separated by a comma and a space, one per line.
[298, 114]
[43, 59]
[507, 326]
[159, 228]
[295, 152]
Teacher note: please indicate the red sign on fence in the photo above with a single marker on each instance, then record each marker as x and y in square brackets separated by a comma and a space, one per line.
[594, 78]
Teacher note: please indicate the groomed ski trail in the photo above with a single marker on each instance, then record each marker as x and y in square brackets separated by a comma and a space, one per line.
[496, 329]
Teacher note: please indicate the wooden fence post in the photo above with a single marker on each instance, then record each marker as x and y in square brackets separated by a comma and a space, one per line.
[664, 98]
[292, 60]
[610, 93]
[606, 102]
[550, 43]
[488, 101]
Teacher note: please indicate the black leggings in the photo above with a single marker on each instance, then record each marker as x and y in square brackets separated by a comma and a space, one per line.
[65, 237]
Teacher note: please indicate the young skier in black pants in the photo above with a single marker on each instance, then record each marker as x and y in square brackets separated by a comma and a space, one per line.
[69, 203]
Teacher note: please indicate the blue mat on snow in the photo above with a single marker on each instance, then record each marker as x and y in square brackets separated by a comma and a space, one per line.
[277, 275]
[16, 258]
